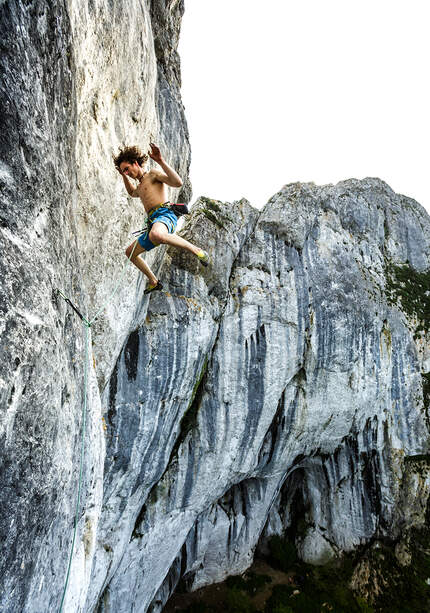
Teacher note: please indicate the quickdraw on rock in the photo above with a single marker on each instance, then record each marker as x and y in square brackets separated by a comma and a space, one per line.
[70, 303]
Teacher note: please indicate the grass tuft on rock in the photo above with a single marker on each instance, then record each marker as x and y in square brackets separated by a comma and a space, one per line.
[189, 418]
[214, 212]
[412, 289]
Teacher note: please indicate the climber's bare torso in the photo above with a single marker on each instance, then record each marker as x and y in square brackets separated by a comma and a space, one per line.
[151, 185]
[151, 189]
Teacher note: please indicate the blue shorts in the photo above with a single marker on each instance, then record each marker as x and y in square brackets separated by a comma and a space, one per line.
[163, 215]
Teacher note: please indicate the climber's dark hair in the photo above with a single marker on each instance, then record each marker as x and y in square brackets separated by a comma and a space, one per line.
[130, 155]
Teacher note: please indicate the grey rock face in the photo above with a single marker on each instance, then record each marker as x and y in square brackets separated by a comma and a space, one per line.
[287, 383]
[127, 93]
[73, 88]
[311, 400]
[40, 341]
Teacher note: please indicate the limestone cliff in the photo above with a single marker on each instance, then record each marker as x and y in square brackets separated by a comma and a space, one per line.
[78, 79]
[289, 381]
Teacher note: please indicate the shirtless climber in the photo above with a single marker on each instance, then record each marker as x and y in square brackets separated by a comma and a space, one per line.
[151, 189]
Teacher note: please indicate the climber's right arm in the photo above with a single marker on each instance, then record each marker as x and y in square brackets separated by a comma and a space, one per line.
[128, 186]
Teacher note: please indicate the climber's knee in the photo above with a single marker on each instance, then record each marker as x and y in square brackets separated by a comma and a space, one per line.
[158, 234]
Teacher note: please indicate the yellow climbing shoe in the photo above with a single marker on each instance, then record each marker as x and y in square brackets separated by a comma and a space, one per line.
[153, 288]
[203, 257]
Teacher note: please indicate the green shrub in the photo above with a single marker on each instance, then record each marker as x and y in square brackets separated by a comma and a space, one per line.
[364, 607]
[250, 583]
[254, 583]
[238, 602]
[280, 598]
[196, 607]
[283, 554]
[236, 582]
[304, 603]
[282, 608]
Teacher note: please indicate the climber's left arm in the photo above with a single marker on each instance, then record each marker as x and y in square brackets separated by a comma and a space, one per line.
[169, 176]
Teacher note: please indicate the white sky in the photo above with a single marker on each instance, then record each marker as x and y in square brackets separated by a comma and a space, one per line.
[277, 91]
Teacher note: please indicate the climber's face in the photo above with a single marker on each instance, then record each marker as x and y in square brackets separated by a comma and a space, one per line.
[131, 170]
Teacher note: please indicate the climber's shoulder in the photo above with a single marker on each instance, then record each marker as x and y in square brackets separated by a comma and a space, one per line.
[151, 175]
[157, 176]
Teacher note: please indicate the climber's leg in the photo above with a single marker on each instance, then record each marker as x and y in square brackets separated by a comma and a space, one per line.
[159, 234]
[138, 262]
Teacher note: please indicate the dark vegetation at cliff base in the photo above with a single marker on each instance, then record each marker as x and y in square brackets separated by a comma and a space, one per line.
[278, 584]
[404, 588]
[282, 584]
